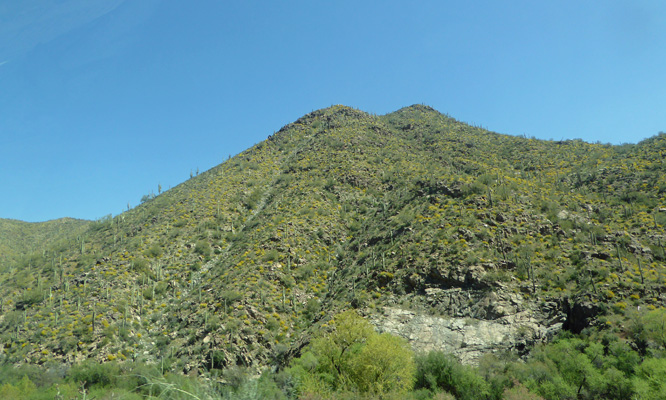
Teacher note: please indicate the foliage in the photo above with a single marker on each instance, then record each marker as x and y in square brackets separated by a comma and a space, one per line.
[352, 357]
[575, 368]
[439, 371]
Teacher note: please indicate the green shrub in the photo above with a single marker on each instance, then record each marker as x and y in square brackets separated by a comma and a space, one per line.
[270, 256]
[31, 297]
[140, 265]
[438, 371]
[202, 247]
[154, 251]
[93, 374]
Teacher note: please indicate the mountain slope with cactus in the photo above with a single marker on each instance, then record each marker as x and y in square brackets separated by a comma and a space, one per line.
[413, 218]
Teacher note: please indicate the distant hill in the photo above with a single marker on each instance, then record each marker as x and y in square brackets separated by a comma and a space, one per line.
[450, 235]
[18, 238]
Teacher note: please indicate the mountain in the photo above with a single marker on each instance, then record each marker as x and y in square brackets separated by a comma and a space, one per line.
[447, 234]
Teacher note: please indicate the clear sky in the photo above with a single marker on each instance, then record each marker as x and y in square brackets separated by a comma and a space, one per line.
[101, 101]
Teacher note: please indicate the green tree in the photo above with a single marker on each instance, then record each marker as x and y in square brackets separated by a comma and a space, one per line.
[336, 350]
[353, 357]
[385, 364]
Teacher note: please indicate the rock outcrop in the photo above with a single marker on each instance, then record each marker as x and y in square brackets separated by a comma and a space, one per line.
[476, 323]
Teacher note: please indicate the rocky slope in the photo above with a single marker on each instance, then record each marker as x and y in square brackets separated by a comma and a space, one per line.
[452, 236]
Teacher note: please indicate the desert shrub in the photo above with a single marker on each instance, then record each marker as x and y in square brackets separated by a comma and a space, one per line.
[31, 297]
[438, 371]
[243, 387]
[270, 256]
[140, 265]
[519, 392]
[202, 247]
[13, 319]
[311, 308]
[153, 251]
[230, 297]
[93, 374]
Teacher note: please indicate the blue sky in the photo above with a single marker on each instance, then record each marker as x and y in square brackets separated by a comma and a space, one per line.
[101, 101]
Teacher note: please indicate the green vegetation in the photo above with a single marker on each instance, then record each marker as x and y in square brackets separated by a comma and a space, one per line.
[353, 358]
[238, 270]
[350, 360]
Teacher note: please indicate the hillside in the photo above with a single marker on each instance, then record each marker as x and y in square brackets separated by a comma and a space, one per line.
[452, 236]
[18, 238]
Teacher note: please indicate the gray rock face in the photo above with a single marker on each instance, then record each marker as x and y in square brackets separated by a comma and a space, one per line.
[477, 323]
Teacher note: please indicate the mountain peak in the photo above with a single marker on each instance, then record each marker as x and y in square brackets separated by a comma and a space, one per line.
[334, 111]
[417, 109]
